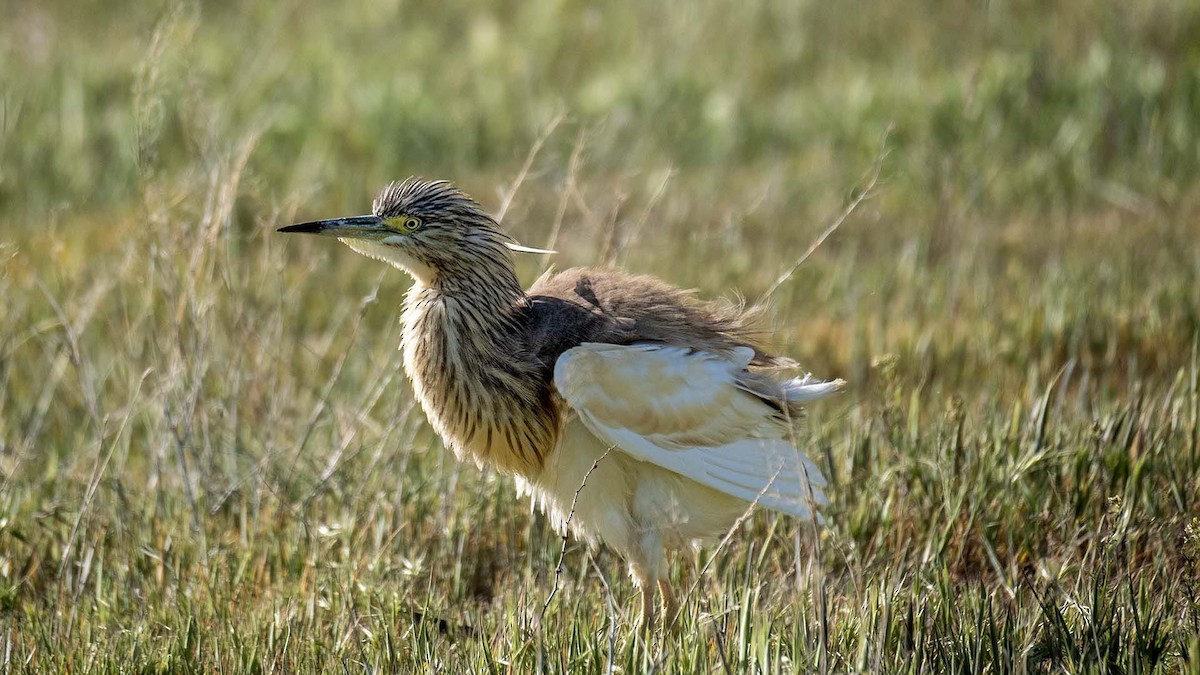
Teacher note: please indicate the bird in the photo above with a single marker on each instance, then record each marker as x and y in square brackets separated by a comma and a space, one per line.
[633, 413]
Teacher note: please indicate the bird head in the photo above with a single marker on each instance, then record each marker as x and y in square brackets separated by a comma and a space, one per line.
[430, 229]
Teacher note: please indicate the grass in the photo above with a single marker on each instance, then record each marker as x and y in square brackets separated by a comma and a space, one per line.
[210, 459]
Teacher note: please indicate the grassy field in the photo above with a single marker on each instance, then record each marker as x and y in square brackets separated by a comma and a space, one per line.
[210, 460]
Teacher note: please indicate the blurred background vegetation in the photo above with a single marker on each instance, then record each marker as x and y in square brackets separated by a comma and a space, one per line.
[208, 454]
[1013, 105]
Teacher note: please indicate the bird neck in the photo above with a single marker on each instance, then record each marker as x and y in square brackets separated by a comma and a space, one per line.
[480, 274]
[482, 288]
[469, 293]
[474, 308]
[466, 352]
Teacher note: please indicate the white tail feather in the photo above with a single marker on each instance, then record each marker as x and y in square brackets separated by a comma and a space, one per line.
[808, 388]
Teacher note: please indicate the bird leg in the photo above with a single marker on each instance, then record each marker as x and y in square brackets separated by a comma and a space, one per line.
[670, 606]
[646, 569]
[647, 618]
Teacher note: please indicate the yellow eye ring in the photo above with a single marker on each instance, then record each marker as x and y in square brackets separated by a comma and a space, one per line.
[410, 223]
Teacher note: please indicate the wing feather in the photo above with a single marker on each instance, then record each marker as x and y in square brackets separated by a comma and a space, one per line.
[697, 413]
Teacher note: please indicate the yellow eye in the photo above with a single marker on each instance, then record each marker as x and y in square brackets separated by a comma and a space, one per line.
[407, 223]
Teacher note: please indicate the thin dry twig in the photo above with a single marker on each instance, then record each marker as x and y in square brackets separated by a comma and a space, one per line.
[821, 600]
[568, 189]
[91, 398]
[511, 192]
[323, 401]
[634, 232]
[815, 556]
[611, 603]
[721, 545]
[562, 553]
[862, 196]
[361, 417]
[612, 232]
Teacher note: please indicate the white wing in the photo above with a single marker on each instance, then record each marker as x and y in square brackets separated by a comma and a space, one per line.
[697, 414]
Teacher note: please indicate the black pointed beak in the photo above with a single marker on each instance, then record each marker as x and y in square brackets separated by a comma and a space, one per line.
[339, 227]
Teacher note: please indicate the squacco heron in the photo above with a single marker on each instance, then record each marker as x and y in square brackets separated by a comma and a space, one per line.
[667, 401]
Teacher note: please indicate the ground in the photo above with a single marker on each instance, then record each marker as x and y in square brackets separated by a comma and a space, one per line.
[209, 455]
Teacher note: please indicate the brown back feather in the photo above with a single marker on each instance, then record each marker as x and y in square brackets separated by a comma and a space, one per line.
[602, 305]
